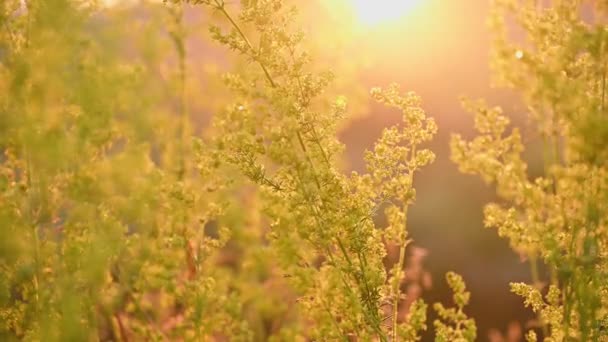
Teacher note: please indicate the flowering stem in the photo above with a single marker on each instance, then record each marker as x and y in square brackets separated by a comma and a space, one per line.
[361, 279]
[220, 6]
[401, 262]
[397, 290]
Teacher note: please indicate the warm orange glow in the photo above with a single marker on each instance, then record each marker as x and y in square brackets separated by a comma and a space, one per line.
[373, 12]
[115, 3]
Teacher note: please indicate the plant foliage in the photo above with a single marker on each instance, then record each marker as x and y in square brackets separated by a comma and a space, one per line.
[123, 218]
[561, 217]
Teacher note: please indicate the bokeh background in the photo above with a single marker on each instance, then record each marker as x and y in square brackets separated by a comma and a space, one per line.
[441, 50]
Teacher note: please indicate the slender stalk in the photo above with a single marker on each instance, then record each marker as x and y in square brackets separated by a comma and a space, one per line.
[317, 215]
[398, 293]
[401, 262]
[219, 5]
[33, 221]
[118, 329]
[551, 157]
[604, 66]
[603, 86]
[177, 35]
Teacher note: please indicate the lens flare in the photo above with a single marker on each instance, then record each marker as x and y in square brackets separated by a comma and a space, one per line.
[374, 12]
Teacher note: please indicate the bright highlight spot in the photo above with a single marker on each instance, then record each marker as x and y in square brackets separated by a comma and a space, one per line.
[115, 3]
[373, 12]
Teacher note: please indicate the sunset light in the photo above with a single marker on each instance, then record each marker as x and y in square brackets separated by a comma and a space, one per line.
[374, 12]
[304, 170]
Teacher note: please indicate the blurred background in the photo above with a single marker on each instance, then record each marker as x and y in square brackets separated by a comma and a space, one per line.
[439, 49]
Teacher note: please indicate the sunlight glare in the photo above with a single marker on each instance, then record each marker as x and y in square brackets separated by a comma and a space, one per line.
[116, 3]
[374, 12]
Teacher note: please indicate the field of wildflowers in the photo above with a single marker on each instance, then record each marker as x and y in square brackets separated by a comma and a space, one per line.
[144, 197]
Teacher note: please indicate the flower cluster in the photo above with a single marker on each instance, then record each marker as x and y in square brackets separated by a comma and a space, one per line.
[118, 225]
[459, 327]
[561, 217]
[321, 221]
[103, 236]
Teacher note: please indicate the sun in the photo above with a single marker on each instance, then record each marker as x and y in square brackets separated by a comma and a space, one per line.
[374, 12]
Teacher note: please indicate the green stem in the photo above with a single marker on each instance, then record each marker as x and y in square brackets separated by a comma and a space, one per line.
[397, 292]
[33, 221]
[603, 86]
[219, 5]
[177, 34]
[401, 262]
